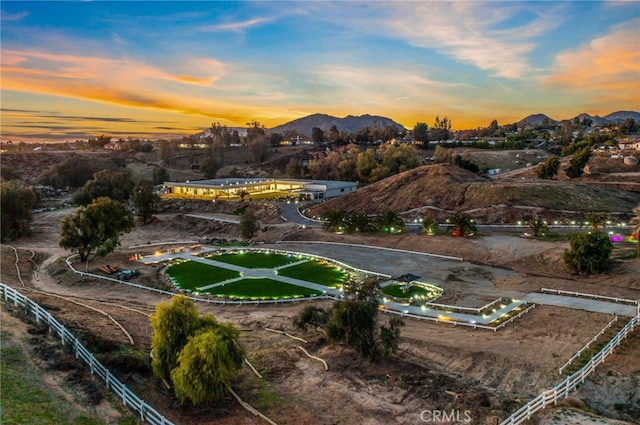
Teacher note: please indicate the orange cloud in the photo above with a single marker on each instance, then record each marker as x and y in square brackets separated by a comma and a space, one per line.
[609, 66]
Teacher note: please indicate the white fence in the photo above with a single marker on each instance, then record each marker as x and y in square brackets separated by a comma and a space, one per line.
[455, 323]
[129, 398]
[576, 355]
[593, 296]
[205, 300]
[570, 382]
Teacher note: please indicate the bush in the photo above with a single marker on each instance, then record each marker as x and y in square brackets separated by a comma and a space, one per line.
[589, 253]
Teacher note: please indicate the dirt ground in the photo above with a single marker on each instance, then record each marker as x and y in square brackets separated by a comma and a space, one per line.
[439, 366]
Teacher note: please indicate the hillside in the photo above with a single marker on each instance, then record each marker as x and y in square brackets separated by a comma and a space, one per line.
[451, 188]
[350, 123]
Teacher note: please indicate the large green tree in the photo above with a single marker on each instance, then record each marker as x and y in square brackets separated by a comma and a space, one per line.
[116, 185]
[145, 199]
[249, 224]
[577, 162]
[421, 133]
[353, 322]
[17, 202]
[172, 323]
[589, 253]
[198, 355]
[206, 365]
[549, 168]
[96, 228]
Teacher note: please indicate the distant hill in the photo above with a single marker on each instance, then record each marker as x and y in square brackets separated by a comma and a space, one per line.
[621, 116]
[534, 120]
[613, 118]
[350, 123]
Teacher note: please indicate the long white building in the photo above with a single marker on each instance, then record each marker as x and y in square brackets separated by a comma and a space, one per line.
[259, 188]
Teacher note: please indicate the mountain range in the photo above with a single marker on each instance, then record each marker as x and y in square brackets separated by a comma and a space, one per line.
[353, 124]
[612, 118]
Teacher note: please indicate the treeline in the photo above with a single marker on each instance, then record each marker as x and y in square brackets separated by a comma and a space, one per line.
[351, 163]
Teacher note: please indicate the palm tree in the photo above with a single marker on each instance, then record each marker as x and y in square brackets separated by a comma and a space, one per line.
[538, 226]
[595, 221]
[429, 226]
[463, 225]
[358, 222]
[389, 221]
[334, 220]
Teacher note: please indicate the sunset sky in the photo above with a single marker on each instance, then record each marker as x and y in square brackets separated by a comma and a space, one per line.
[73, 70]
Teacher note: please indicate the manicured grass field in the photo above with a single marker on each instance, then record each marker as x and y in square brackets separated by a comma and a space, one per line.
[396, 291]
[261, 288]
[192, 275]
[254, 260]
[316, 272]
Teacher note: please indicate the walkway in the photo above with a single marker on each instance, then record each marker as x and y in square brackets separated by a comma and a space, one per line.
[581, 304]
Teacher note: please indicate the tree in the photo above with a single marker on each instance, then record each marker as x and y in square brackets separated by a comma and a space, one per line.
[172, 324]
[116, 185]
[389, 221]
[209, 167]
[353, 322]
[160, 175]
[198, 355]
[145, 200]
[96, 228]
[429, 226]
[549, 168]
[17, 201]
[595, 221]
[334, 220]
[311, 316]
[294, 169]
[577, 162]
[463, 225]
[317, 135]
[441, 129]
[248, 224]
[589, 253]
[275, 139]
[538, 226]
[359, 222]
[258, 149]
[206, 365]
[421, 133]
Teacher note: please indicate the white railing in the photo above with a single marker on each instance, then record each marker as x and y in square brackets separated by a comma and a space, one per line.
[223, 301]
[593, 296]
[458, 323]
[570, 382]
[460, 308]
[576, 355]
[129, 398]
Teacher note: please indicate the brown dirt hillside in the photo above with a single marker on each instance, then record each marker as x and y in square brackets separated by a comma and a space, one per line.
[451, 188]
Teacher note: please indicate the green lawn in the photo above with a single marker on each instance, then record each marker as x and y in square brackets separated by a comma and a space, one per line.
[316, 272]
[192, 275]
[261, 288]
[254, 260]
[396, 291]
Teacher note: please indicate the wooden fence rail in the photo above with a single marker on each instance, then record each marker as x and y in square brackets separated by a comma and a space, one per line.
[570, 382]
[129, 398]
